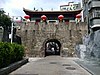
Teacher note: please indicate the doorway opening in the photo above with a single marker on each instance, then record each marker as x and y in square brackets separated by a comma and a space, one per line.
[52, 47]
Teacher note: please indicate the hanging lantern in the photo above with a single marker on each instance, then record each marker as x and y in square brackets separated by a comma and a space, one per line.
[27, 17]
[78, 16]
[43, 17]
[60, 17]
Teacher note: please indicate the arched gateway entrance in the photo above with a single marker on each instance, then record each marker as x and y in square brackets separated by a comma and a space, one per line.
[52, 47]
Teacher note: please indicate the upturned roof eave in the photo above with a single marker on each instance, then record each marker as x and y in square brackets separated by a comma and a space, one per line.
[31, 11]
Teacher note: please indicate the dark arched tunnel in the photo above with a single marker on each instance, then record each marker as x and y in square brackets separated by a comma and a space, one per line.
[52, 47]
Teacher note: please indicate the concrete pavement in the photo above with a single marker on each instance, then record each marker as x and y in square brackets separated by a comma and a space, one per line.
[51, 65]
[92, 66]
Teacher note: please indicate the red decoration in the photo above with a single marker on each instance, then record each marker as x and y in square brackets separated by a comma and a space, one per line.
[60, 17]
[67, 22]
[78, 16]
[27, 17]
[43, 17]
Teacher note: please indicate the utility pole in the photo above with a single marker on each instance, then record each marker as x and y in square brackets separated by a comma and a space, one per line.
[12, 25]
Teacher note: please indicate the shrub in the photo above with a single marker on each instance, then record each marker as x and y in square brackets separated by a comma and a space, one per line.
[10, 53]
[18, 52]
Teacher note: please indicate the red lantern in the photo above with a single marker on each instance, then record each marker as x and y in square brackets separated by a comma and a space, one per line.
[43, 17]
[78, 16]
[60, 17]
[27, 17]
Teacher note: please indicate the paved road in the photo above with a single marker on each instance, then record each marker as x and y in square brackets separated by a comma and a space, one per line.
[51, 65]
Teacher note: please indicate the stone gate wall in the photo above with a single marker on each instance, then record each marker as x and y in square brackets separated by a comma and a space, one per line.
[34, 35]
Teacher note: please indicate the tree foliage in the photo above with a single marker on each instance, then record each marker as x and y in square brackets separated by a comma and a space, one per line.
[5, 20]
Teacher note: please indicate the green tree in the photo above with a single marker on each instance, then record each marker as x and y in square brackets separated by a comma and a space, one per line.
[5, 22]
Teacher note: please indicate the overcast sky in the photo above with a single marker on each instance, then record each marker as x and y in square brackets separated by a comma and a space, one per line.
[15, 7]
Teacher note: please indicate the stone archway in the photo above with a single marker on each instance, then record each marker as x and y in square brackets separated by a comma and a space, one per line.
[52, 47]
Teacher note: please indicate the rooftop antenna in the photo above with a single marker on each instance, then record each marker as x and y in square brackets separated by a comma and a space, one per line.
[41, 9]
[34, 8]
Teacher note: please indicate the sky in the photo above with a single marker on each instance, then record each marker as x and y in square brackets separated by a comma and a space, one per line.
[15, 7]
